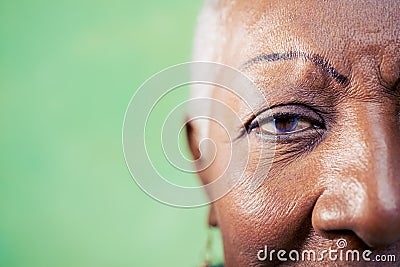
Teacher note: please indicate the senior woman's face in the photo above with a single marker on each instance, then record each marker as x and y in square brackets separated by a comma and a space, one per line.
[329, 71]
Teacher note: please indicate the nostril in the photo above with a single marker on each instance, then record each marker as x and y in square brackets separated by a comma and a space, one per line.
[351, 239]
[343, 234]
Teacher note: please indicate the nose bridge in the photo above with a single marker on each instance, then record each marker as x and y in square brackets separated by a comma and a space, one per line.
[380, 138]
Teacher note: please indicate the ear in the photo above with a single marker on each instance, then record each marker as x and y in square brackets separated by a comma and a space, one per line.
[212, 216]
[192, 133]
[192, 140]
[192, 137]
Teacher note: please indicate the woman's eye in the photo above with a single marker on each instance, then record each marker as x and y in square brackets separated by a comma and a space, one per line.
[285, 120]
[285, 125]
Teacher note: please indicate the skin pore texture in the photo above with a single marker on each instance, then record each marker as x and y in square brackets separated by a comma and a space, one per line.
[330, 73]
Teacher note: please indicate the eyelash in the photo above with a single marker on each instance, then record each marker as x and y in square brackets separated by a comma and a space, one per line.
[315, 120]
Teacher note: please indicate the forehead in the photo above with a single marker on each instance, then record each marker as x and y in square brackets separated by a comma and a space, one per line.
[334, 29]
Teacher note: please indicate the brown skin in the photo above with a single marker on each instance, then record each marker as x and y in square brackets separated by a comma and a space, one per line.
[341, 180]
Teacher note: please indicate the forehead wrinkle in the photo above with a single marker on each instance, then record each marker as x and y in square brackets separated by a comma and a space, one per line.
[330, 29]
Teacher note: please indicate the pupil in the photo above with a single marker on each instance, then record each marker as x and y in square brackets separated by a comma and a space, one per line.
[286, 125]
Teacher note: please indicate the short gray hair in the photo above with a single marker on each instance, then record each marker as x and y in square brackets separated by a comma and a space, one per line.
[206, 47]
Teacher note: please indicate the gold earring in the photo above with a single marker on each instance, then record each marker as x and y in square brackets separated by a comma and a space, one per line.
[208, 248]
[210, 258]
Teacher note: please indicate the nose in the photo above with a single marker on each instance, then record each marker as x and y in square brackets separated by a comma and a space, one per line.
[362, 194]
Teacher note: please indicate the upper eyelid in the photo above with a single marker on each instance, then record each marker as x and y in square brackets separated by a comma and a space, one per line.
[254, 114]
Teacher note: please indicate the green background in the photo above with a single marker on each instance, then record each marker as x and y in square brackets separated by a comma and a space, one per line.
[67, 72]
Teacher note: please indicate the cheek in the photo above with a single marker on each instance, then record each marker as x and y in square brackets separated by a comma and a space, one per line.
[277, 214]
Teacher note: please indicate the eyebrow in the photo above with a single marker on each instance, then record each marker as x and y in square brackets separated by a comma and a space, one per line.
[316, 59]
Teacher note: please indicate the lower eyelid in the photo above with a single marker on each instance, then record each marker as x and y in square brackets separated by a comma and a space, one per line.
[302, 137]
[309, 132]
